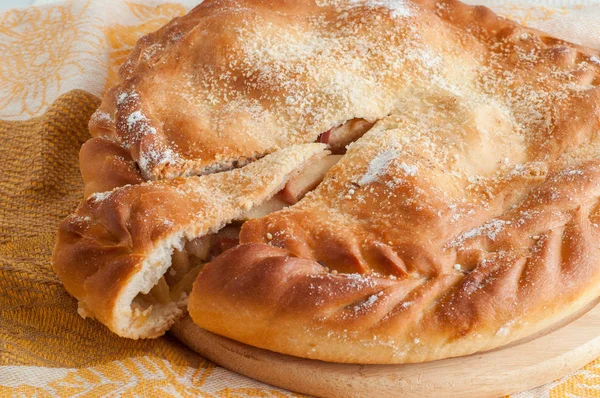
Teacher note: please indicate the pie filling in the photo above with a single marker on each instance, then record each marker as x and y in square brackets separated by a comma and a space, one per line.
[170, 293]
[339, 137]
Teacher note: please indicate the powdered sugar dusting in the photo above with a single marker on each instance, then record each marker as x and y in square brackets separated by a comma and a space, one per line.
[100, 196]
[378, 165]
[138, 126]
[369, 303]
[490, 229]
[101, 116]
[398, 8]
[506, 328]
[409, 170]
[126, 96]
[137, 117]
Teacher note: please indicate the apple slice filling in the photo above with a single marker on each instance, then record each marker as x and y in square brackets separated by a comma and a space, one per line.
[308, 179]
[339, 137]
[175, 284]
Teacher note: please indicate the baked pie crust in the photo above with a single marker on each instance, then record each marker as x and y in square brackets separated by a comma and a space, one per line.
[458, 211]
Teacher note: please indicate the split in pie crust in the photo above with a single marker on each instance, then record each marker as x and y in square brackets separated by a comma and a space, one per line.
[458, 208]
[130, 255]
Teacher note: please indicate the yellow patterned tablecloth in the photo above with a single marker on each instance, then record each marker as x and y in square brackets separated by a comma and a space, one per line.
[55, 61]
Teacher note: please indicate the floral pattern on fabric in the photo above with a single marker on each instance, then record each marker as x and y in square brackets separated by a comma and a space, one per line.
[46, 349]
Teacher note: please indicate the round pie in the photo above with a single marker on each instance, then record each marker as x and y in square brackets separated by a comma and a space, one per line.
[360, 181]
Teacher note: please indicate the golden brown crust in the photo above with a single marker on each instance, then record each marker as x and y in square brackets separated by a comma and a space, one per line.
[106, 165]
[514, 281]
[103, 245]
[469, 212]
[234, 80]
[466, 218]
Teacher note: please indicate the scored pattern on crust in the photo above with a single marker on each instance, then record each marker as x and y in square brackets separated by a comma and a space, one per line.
[455, 197]
[463, 220]
[455, 284]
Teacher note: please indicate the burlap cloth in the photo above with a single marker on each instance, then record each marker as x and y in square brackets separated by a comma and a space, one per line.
[55, 60]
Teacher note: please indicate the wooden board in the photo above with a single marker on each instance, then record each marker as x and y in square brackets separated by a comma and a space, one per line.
[507, 370]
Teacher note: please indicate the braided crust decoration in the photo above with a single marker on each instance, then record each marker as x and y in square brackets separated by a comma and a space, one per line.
[463, 220]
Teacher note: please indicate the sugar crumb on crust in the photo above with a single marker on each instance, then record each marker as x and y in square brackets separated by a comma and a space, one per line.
[121, 241]
[473, 180]
[447, 229]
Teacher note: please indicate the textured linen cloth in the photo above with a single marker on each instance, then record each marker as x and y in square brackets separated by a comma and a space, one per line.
[55, 61]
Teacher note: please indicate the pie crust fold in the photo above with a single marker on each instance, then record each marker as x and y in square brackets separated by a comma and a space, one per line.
[461, 213]
[119, 243]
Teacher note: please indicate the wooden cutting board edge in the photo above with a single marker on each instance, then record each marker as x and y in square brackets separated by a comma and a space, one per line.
[504, 371]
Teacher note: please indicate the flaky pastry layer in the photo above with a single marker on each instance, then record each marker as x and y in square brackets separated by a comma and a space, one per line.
[119, 243]
[463, 221]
